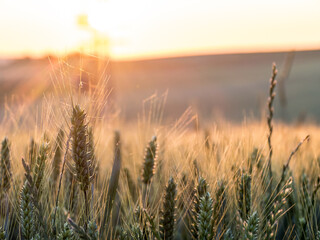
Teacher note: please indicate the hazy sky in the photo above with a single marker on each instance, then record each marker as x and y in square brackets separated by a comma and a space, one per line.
[148, 28]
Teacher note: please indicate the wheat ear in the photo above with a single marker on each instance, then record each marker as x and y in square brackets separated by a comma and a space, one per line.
[205, 217]
[167, 221]
[272, 94]
[5, 166]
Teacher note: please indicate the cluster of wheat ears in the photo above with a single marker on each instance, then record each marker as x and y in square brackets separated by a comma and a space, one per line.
[188, 187]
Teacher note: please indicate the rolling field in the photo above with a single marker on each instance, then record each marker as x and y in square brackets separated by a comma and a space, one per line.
[216, 86]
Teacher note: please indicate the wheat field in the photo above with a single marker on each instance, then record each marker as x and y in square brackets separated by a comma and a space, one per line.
[71, 168]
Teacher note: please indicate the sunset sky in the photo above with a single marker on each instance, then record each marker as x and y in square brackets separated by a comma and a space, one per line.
[146, 29]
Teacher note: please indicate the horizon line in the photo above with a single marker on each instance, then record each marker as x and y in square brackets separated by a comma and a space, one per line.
[146, 57]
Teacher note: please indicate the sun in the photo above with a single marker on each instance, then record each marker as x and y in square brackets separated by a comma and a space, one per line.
[100, 18]
[110, 18]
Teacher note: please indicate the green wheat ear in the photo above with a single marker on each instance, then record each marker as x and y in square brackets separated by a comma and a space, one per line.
[277, 211]
[5, 167]
[149, 160]
[167, 220]
[26, 212]
[244, 196]
[66, 233]
[2, 234]
[40, 166]
[205, 217]
[121, 233]
[200, 191]
[256, 159]
[218, 218]
[307, 206]
[36, 237]
[57, 158]
[251, 227]
[228, 235]
[306, 196]
[33, 151]
[135, 232]
[79, 231]
[79, 147]
[93, 230]
[83, 166]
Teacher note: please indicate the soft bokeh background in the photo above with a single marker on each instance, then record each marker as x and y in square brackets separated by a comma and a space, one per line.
[214, 56]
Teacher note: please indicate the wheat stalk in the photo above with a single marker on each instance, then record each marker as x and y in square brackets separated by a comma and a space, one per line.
[59, 186]
[272, 94]
[113, 183]
[286, 165]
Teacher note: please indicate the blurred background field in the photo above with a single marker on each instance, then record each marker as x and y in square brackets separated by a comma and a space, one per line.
[230, 86]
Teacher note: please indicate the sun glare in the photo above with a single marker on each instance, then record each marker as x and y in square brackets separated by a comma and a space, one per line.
[151, 28]
[110, 18]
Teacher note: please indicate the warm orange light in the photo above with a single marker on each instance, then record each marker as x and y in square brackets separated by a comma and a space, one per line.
[143, 28]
